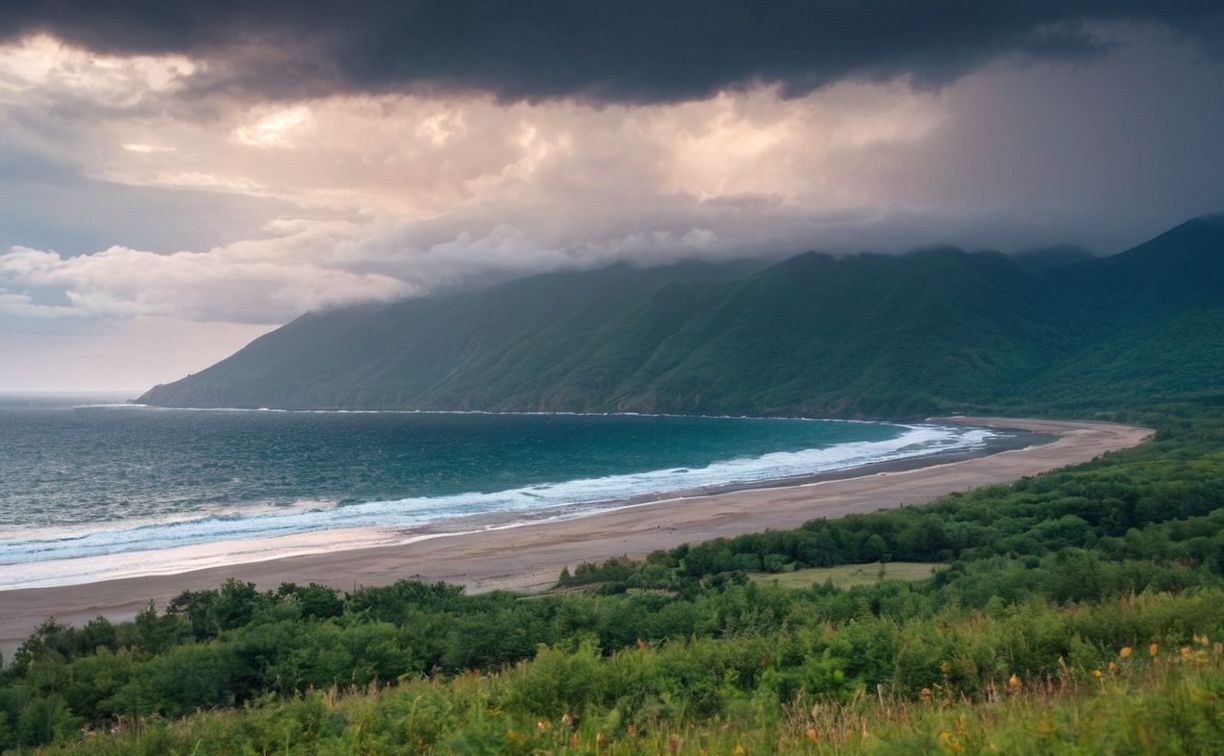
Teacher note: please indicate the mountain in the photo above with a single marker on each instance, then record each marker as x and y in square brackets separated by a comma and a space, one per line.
[1182, 265]
[1047, 258]
[863, 335]
[1150, 321]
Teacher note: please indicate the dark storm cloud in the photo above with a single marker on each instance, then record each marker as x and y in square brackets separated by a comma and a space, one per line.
[603, 51]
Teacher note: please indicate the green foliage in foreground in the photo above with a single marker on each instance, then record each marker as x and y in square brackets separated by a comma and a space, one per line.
[781, 691]
[1047, 580]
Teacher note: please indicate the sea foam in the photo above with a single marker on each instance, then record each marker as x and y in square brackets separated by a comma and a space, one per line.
[295, 527]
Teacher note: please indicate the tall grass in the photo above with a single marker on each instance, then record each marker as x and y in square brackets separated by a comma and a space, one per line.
[1141, 675]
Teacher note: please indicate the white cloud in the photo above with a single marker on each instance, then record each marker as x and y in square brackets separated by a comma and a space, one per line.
[146, 149]
[278, 128]
[45, 68]
[188, 180]
[267, 283]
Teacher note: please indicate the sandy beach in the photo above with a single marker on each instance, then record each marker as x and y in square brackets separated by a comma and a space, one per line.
[530, 557]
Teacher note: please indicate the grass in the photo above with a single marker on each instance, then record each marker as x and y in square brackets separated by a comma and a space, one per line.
[850, 575]
[1166, 700]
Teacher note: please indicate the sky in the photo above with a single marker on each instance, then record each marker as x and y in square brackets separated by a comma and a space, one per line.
[178, 178]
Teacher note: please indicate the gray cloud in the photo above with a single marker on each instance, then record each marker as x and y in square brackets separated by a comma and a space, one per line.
[1005, 129]
[377, 197]
[637, 51]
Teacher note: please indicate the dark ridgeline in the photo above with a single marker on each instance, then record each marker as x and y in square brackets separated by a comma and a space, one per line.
[864, 335]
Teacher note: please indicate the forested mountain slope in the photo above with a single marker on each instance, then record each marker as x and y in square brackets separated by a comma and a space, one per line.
[863, 335]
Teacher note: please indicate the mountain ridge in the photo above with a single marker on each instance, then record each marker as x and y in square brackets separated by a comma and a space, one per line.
[863, 335]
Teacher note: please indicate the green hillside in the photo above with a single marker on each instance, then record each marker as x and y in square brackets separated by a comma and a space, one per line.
[863, 335]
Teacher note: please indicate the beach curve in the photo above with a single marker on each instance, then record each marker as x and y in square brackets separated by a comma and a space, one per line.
[529, 558]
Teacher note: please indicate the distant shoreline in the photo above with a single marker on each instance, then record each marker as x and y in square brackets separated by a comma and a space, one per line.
[1021, 438]
[530, 556]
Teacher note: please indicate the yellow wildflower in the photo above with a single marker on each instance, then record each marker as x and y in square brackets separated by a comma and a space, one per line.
[1152, 649]
[1096, 673]
[947, 741]
[1013, 682]
[925, 695]
[1125, 652]
[1113, 666]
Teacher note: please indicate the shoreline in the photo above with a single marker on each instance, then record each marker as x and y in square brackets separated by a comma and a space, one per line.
[529, 556]
[1019, 439]
[241, 549]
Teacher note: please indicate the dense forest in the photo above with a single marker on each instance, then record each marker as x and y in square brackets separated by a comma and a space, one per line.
[933, 331]
[1084, 607]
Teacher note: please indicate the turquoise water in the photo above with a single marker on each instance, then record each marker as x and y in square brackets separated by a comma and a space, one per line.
[88, 481]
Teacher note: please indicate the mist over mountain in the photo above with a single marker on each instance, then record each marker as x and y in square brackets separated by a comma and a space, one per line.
[863, 335]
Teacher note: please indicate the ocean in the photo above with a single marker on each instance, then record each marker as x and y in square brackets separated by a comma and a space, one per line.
[92, 489]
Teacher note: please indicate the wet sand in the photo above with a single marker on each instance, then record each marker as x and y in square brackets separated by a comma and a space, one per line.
[529, 558]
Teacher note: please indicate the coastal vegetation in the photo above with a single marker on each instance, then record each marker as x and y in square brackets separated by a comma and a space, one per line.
[1082, 607]
[1118, 676]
